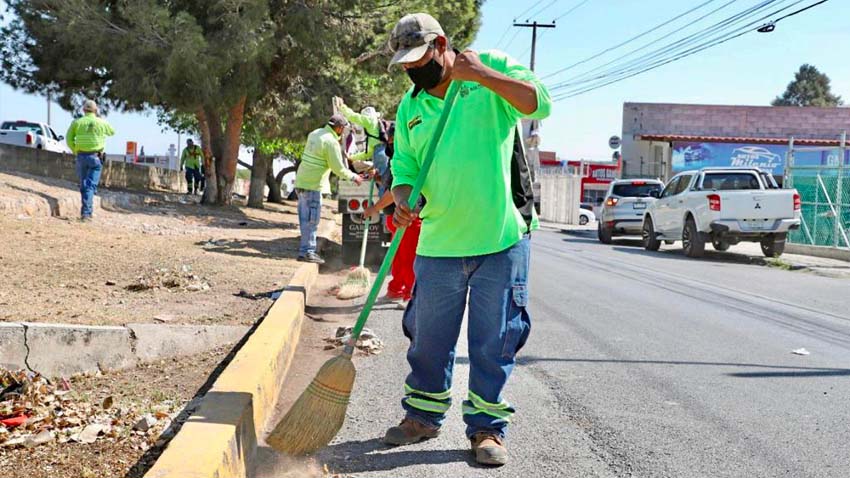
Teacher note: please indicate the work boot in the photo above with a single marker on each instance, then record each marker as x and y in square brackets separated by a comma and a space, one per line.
[408, 432]
[489, 449]
[85, 219]
[312, 258]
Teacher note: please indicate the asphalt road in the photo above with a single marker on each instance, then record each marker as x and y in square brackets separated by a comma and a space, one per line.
[640, 364]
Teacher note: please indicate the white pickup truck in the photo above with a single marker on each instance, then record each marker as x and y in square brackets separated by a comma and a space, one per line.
[32, 135]
[723, 206]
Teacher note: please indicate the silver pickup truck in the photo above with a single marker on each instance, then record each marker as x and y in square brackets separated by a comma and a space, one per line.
[723, 206]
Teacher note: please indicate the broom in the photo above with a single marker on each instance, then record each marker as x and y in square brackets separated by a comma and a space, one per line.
[358, 279]
[318, 414]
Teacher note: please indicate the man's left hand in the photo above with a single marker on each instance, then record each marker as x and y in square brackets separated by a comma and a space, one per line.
[468, 67]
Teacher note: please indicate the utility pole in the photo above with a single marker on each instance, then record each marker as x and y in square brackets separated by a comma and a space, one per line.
[534, 26]
[49, 98]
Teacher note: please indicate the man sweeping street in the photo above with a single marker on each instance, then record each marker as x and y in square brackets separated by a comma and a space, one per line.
[473, 249]
[87, 139]
[322, 154]
[192, 159]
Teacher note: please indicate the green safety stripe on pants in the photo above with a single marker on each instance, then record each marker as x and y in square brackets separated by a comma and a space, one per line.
[469, 409]
[482, 404]
[427, 405]
[408, 390]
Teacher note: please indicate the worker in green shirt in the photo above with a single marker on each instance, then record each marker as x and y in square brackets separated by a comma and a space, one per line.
[87, 139]
[322, 154]
[192, 159]
[473, 248]
[370, 120]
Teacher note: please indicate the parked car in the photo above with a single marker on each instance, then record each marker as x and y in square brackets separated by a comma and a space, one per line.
[32, 135]
[723, 206]
[624, 206]
[585, 215]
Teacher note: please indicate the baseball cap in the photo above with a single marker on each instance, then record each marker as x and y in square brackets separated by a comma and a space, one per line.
[412, 36]
[337, 120]
[89, 105]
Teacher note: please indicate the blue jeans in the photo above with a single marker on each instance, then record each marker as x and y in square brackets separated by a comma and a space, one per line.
[194, 179]
[309, 215]
[88, 170]
[499, 324]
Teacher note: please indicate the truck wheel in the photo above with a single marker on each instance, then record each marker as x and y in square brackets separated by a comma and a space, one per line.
[720, 245]
[604, 234]
[691, 240]
[773, 246]
[582, 220]
[650, 238]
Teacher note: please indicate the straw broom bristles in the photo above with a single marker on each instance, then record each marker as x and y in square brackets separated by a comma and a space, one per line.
[356, 284]
[318, 414]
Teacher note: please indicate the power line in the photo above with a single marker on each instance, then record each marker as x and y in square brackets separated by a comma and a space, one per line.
[597, 55]
[668, 48]
[576, 7]
[538, 2]
[626, 72]
[545, 7]
[693, 51]
[511, 41]
[664, 37]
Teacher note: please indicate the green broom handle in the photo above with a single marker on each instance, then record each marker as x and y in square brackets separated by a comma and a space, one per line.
[414, 198]
[366, 228]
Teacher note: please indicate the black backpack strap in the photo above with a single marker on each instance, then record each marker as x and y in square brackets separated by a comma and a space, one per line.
[522, 190]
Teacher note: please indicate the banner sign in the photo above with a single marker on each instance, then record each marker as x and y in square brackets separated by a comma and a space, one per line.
[689, 156]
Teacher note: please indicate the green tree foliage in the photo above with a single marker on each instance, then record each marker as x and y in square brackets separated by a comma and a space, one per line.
[277, 61]
[809, 88]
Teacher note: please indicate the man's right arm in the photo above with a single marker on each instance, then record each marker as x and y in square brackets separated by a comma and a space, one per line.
[71, 136]
[405, 169]
[333, 154]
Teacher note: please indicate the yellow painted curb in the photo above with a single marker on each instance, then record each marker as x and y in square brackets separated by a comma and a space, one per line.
[220, 439]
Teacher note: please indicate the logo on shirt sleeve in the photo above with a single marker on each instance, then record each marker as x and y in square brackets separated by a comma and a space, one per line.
[416, 121]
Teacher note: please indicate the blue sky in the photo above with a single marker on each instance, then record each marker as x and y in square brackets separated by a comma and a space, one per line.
[752, 69]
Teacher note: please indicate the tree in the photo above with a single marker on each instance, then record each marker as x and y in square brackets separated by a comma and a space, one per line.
[217, 60]
[809, 88]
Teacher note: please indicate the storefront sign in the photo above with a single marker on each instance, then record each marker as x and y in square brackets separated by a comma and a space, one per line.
[689, 156]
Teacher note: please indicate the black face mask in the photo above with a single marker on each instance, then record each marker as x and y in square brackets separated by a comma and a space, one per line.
[426, 76]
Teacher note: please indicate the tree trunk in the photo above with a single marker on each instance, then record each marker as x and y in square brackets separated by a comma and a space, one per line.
[274, 186]
[258, 179]
[210, 186]
[230, 152]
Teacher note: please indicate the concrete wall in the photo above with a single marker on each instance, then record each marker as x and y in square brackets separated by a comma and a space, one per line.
[114, 175]
[718, 120]
[560, 196]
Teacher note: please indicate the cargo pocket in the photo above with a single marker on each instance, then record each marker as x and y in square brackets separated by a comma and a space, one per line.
[519, 322]
[315, 211]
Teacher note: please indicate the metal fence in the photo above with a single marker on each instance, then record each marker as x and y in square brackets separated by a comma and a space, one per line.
[825, 195]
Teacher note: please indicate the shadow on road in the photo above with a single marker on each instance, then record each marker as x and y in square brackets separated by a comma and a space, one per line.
[373, 455]
[710, 256]
[782, 370]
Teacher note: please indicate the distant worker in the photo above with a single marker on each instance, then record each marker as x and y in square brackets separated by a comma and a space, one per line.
[370, 120]
[87, 139]
[400, 288]
[192, 159]
[322, 154]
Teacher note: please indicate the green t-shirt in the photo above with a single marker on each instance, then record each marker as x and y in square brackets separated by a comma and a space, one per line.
[88, 134]
[192, 157]
[469, 209]
[322, 154]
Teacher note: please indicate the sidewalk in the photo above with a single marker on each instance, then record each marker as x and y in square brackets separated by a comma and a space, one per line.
[822, 266]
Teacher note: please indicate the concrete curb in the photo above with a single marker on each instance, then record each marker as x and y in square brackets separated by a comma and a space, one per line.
[66, 349]
[220, 439]
[818, 251]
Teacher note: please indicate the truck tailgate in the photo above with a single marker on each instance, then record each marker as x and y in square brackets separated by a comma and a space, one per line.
[757, 204]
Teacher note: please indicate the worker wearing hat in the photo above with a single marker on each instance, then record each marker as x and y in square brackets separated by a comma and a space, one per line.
[87, 139]
[322, 154]
[473, 250]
